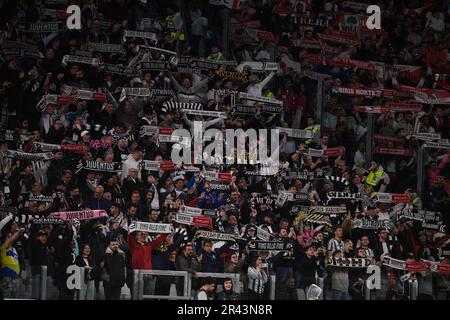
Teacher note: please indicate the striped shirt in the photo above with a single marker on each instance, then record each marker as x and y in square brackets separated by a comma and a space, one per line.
[334, 245]
[369, 253]
[256, 280]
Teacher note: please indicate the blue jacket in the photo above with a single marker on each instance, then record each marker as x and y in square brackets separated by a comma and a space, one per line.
[97, 204]
[211, 201]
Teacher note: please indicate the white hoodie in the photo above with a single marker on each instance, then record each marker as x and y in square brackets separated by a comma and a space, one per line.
[128, 164]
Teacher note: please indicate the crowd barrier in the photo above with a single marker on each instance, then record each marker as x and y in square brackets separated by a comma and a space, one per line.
[145, 279]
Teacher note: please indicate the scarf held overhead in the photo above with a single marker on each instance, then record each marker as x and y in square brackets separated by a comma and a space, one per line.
[79, 215]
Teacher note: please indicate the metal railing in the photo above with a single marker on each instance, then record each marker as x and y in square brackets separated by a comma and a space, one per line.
[413, 289]
[43, 284]
[367, 291]
[320, 282]
[138, 288]
[235, 278]
[137, 292]
[82, 291]
[272, 286]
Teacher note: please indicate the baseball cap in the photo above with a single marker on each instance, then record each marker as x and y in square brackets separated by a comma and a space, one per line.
[176, 178]
[85, 132]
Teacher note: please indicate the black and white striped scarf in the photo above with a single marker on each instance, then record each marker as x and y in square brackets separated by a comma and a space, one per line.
[40, 169]
[29, 197]
[25, 156]
[337, 179]
[343, 195]
[181, 232]
[98, 166]
[171, 105]
[95, 127]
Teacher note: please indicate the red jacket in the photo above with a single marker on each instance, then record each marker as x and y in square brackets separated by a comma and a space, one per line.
[142, 253]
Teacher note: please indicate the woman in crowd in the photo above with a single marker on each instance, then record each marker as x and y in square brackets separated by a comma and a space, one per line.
[84, 260]
[257, 279]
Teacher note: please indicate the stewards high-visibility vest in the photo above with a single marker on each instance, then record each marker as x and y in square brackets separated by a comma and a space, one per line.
[313, 130]
[174, 33]
[416, 199]
[374, 177]
[217, 57]
[268, 94]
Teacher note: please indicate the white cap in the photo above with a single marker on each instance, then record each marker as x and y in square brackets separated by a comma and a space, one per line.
[135, 80]
[176, 178]
[85, 132]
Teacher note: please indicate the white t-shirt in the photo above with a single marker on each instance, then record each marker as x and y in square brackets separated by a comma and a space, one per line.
[201, 295]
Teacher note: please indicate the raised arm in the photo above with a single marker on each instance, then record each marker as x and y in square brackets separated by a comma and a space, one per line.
[175, 83]
[212, 122]
[135, 60]
[158, 241]
[188, 122]
[9, 242]
[223, 248]
[5, 221]
[317, 229]
[263, 83]
[131, 241]
[200, 84]
[111, 98]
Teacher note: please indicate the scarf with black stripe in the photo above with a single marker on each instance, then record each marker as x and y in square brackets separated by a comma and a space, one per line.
[171, 105]
[98, 166]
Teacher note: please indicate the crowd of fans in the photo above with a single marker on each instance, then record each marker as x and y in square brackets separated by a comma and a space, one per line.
[63, 120]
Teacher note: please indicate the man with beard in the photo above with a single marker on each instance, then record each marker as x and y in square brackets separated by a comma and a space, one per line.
[74, 200]
[114, 269]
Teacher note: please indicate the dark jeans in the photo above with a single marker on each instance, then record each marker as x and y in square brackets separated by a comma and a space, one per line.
[112, 292]
[421, 296]
[339, 295]
[252, 295]
[283, 273]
